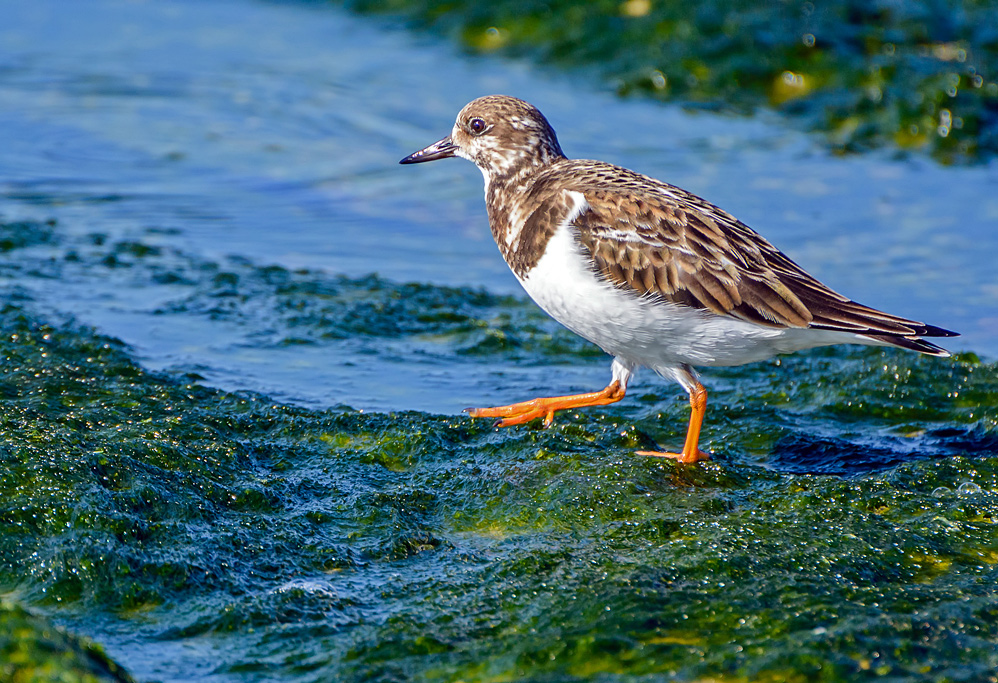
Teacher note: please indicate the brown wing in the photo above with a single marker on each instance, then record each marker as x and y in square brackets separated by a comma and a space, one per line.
[659, 240]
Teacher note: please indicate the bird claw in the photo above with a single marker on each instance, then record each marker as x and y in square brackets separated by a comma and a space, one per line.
[685, 458]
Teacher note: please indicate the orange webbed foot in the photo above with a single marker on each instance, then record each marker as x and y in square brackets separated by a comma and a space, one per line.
[518, 413]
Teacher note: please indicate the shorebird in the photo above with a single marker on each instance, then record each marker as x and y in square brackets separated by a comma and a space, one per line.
[652, 274]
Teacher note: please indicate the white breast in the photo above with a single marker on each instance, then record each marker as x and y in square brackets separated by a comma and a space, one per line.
[645, 330]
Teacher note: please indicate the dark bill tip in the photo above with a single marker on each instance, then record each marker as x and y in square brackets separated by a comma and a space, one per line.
[438, 150]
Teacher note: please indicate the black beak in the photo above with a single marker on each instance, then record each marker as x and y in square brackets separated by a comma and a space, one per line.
[438, 150]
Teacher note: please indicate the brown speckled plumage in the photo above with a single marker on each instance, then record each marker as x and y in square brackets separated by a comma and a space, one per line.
[659, 240]
[656, 239]
[652, 273]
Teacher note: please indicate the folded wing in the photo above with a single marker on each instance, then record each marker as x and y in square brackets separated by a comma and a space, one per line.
[661, 241]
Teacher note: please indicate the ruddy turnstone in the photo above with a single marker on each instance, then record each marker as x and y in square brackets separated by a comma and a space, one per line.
[650, 273]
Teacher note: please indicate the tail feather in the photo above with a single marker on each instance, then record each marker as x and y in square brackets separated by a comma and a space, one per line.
[917, 343]
[933, 331]
[883, 327]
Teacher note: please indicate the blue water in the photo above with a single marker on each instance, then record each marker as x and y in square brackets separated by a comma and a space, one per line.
[271, 132]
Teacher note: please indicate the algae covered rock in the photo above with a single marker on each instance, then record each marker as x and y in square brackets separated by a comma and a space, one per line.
[33, 650]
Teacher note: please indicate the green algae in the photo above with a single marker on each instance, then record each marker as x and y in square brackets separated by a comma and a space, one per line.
[906, 75]
[388, 546]
[20, 234]
[32, 650]
[275, 306]
[845, 529]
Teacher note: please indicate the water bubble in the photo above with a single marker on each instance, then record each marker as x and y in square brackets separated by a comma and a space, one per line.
[969, 489]
[792, 79]
[945, 122]
[808, 39]
[941, 491]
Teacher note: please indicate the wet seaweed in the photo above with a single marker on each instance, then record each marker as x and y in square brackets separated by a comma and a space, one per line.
[904, 75]
[833, 537]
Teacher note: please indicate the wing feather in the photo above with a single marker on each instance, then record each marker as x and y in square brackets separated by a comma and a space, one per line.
[659, 240]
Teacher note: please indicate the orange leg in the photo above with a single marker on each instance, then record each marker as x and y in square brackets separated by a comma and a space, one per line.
[518, 413]
[691, 453]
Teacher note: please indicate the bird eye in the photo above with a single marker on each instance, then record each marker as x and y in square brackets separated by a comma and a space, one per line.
[477, 126]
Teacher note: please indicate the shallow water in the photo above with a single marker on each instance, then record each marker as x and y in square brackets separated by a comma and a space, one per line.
[213, 183]
[271, 132]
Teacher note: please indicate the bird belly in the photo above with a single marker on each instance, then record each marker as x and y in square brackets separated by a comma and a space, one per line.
[650, 331]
